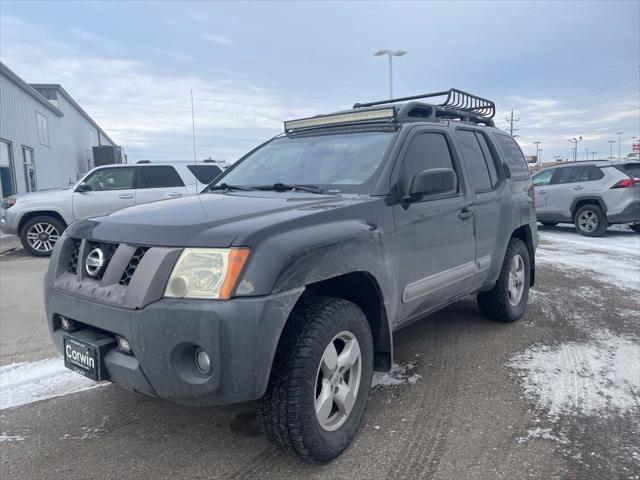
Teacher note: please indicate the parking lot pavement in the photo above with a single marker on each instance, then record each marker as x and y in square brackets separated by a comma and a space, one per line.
[556, 395]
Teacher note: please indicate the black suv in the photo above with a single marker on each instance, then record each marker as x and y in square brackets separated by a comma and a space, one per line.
[284, 280]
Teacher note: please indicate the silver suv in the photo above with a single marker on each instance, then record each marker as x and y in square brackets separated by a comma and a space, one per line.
[39, 218]
[591, 195]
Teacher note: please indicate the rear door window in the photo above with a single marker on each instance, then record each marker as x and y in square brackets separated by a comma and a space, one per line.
[159, 177]
[205, 173]
[474, 158]
[595, 173]
[513, 156]
[571, 175]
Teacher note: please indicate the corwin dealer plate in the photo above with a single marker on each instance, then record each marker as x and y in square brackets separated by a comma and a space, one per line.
[81, 357]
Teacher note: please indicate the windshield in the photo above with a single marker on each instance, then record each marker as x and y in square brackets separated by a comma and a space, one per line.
[345, 162]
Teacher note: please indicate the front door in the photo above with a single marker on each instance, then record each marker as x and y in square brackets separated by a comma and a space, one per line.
[567, 184]
[541, 181]
[108, 189]
[435, 240]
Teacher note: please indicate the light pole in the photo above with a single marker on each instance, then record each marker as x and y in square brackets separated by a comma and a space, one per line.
[619, 135]
[611, 142]
[575, 141]
[593, 155]
[390, 54]
[538, 152]
[587, 155]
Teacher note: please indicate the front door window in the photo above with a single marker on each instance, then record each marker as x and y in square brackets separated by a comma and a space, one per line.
[29, 169]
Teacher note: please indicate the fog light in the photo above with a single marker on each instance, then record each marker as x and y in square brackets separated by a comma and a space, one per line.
[203, 361]
[123, 344]
[66, 323]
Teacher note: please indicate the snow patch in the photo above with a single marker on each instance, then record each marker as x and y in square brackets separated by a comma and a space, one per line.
[11, 438]
[598, 378]
[541, 433]
[399, 375]
[27, 382]
[614, 258]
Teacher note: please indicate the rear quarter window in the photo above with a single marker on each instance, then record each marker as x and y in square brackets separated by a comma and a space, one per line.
[205, 173]
[513, 156]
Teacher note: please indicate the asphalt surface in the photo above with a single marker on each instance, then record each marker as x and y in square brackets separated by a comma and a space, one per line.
[466, 416]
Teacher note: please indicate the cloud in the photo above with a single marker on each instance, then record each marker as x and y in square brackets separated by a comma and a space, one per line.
[175, 55]
[217, 39]
[96, 40]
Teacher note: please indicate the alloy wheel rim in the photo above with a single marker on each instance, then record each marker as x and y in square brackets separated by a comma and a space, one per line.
[588, 221]
[338, 381]
[516, 280]
[42, 236]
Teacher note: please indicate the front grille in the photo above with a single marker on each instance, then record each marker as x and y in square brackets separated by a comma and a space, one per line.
[133, 264]
[108, 249]
[73, 259]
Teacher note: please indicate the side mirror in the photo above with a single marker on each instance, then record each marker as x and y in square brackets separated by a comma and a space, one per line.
[433, 182]
[83, 187]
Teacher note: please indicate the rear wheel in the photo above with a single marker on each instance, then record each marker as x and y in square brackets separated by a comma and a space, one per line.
[591, 221]
[40, 234]
[320, 380]
[635, 227]
[507, 300]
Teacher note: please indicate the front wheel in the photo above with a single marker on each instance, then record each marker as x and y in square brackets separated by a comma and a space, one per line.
[507, 300]
[320, 380]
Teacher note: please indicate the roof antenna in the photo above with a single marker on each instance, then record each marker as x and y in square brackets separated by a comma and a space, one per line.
[193, 126]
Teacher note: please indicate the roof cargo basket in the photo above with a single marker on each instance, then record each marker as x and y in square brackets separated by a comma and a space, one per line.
[456, 100]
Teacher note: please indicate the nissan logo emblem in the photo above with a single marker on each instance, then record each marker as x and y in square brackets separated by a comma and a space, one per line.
[94, 262]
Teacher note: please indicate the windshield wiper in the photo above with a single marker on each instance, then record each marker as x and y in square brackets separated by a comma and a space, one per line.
[283, 187]
[226, 186]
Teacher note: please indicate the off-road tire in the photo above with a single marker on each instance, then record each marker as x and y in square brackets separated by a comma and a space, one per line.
[635, 227]
[549, 224]
[601, 228]
[495, 304]
[42, 219]
[286, 411]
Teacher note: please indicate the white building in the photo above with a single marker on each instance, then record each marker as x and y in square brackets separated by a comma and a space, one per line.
[46, 138]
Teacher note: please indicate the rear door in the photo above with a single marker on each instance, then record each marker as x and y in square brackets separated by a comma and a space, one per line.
[566, 185]
[158, 182]
[110, 189]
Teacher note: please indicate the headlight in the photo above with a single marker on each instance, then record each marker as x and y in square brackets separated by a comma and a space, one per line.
[9, 202]
[206, 273]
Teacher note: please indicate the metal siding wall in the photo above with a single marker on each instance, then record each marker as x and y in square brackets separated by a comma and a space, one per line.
[69, 137]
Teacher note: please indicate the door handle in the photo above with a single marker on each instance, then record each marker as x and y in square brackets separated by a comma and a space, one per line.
[175, 194]
[126, 195]
[465, 213]
[540, 192]
[579, 187]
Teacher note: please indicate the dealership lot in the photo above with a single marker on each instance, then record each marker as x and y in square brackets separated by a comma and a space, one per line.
[554, 395]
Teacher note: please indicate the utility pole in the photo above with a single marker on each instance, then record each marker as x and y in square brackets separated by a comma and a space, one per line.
[593, 155]
[619, 136]
[193, 126]
[586, 157]
[611, 142]
[511, 124]
[538, 152]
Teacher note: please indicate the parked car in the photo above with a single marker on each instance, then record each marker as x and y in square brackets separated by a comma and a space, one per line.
[39, 218]
[284, 280]
[591, 195]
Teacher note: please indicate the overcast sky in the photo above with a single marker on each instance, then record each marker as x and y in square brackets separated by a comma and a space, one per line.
[566, 68]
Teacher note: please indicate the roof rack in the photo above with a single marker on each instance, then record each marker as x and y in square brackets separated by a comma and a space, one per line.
[456, 100]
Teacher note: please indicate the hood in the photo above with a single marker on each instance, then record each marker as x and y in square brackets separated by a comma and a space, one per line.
[206, 220]
[44, 195]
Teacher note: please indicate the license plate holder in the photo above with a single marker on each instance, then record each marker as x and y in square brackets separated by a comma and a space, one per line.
[86, 355]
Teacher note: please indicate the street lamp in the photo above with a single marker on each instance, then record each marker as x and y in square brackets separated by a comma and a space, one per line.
[593, 155]
[390, 54]
[538, 152]
[619, 135]
[611, 142]
[575, 141]
[587, 150]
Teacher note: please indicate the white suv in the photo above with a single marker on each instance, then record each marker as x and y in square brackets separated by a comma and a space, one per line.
[39, 218]
[591, 195]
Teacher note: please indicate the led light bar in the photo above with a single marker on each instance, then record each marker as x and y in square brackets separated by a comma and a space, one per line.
[340, 118]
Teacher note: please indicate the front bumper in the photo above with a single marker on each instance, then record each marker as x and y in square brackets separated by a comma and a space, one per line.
[240, 336]
[8, 222]
[631, 214]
